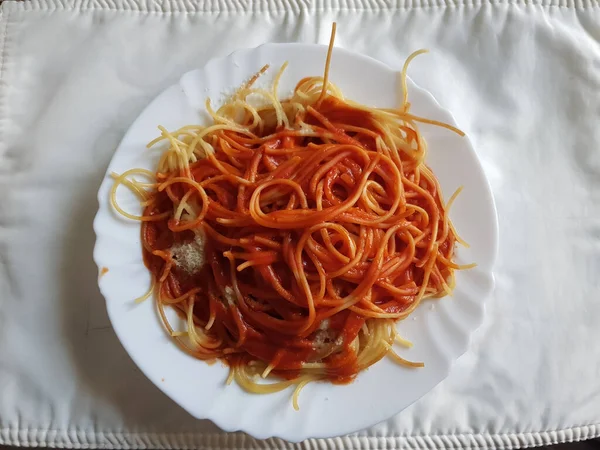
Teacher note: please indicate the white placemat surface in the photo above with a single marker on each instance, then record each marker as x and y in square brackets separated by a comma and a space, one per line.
[522, 78]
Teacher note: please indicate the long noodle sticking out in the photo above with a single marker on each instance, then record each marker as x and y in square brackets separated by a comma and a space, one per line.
[327, 66]
[293, 234]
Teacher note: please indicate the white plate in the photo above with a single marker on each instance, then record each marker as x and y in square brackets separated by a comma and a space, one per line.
[439, 329]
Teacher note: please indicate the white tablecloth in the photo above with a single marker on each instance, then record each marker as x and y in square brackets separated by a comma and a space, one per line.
[522, 78]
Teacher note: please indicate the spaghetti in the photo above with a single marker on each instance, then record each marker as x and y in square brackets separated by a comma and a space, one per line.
[292, 235]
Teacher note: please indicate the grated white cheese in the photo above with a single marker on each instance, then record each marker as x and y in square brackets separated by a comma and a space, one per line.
[326, 337]
[190, 256]
[230, 296]
[306, 131]
[324, 325]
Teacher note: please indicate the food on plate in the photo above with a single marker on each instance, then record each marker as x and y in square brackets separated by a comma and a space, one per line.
[292, 234]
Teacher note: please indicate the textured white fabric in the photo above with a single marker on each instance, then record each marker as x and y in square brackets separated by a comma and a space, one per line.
[521, 77]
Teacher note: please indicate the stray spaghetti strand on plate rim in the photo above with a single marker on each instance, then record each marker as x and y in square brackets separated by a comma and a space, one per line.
[292, 236]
